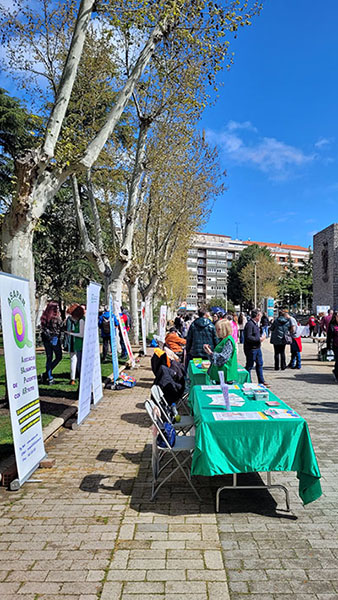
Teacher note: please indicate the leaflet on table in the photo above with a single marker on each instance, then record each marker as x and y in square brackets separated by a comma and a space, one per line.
[218, 400]
[238, 416]
[253, 386]
[281, 413]
[214, 388]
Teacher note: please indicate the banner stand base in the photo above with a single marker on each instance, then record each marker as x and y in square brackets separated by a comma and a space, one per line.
[16, 484]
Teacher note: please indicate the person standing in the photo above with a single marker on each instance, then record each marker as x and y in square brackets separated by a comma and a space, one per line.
[51, 328]
[104, 325]
[312, 324]
[242, 320]
[201, 331]
[252, 345]
[332, 342]
[281, 330]
[69, 342]
[78, 316]
[265, 324]
[326, 320]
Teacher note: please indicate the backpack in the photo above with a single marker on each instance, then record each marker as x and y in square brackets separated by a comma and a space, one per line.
[106, 325]
[169, 433]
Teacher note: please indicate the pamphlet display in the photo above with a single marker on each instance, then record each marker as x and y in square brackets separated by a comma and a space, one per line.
[90, 351]
[124, 334]
[143, 327]
[162, 322]
[113, 341]
[22, 384]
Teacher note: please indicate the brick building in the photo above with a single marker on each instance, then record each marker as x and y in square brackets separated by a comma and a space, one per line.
[210, 257]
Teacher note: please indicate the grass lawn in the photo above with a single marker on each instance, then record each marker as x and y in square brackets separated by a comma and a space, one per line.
[49, 409]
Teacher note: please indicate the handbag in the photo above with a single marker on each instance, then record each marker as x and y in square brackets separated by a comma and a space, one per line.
[287, 337]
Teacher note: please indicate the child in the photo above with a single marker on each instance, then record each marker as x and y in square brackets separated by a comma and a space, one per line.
[296, 348]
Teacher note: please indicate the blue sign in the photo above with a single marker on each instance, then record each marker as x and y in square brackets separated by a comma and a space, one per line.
[113, 341]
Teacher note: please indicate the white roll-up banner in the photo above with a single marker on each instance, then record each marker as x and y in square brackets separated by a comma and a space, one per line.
[162, 322]
[89, 350]
[22, 382]
[143, 327]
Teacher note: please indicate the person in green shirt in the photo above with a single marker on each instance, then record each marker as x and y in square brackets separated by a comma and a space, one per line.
[77, 333]
[224, 357]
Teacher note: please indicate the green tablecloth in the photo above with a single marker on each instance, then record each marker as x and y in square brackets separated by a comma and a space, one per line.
[223, 447]
[199, 376]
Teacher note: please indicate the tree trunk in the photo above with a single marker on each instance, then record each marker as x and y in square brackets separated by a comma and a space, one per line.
[135, 329]
[148, 300]
[18, 259]
[115, 287]
[42, 303]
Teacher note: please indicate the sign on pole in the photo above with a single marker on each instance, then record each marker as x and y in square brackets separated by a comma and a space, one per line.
[22, 384]
[124, 334]
[143, 327]
[113, 341]
[162, 322]
[89, 350]
[322, 309]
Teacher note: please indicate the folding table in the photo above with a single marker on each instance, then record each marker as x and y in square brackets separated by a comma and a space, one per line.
[252, 446]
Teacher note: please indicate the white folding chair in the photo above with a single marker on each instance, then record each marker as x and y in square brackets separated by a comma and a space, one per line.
[187, 421]
[183, 444]
[182, 403]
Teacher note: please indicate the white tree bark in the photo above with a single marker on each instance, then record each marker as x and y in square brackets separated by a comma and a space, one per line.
[135, 329]
[94, 253]
[68, 77]
[38, 181]
[148, 300]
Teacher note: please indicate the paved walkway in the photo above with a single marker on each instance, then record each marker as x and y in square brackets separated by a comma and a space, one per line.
[89, 532]
[273, 556]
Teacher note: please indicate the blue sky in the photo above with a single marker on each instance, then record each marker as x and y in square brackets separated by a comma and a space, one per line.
[276, 126]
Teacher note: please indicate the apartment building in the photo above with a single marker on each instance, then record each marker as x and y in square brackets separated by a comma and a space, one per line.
[210, 257]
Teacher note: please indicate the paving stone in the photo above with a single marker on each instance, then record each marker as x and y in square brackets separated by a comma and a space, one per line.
[91, 518]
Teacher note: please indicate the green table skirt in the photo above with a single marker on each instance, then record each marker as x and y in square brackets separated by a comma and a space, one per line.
[199, 376]
[223, 447]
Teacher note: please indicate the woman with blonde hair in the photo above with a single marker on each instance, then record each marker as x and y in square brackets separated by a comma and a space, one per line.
[224, 357]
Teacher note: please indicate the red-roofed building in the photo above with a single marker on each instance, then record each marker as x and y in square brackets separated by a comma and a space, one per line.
[211, 255]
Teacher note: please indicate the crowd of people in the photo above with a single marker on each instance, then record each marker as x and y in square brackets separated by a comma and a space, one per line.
[58, 333]
[216, 337]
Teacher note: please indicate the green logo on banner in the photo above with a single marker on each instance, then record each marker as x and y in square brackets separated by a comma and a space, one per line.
[19, 324]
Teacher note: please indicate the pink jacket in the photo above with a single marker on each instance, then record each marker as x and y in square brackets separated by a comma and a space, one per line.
[234, 330]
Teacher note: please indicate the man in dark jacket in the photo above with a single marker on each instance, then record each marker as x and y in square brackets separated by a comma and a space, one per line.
[281, 330]
[104, 325]
[252, 345]
[201, 331]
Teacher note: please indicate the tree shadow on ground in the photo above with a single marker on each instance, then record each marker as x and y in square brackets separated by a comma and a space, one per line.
[143, 385]
[106, 454]
[53, 408]
[327, 407]
[140, 419]
[311, 378]
[97, 482]
[53, 393]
